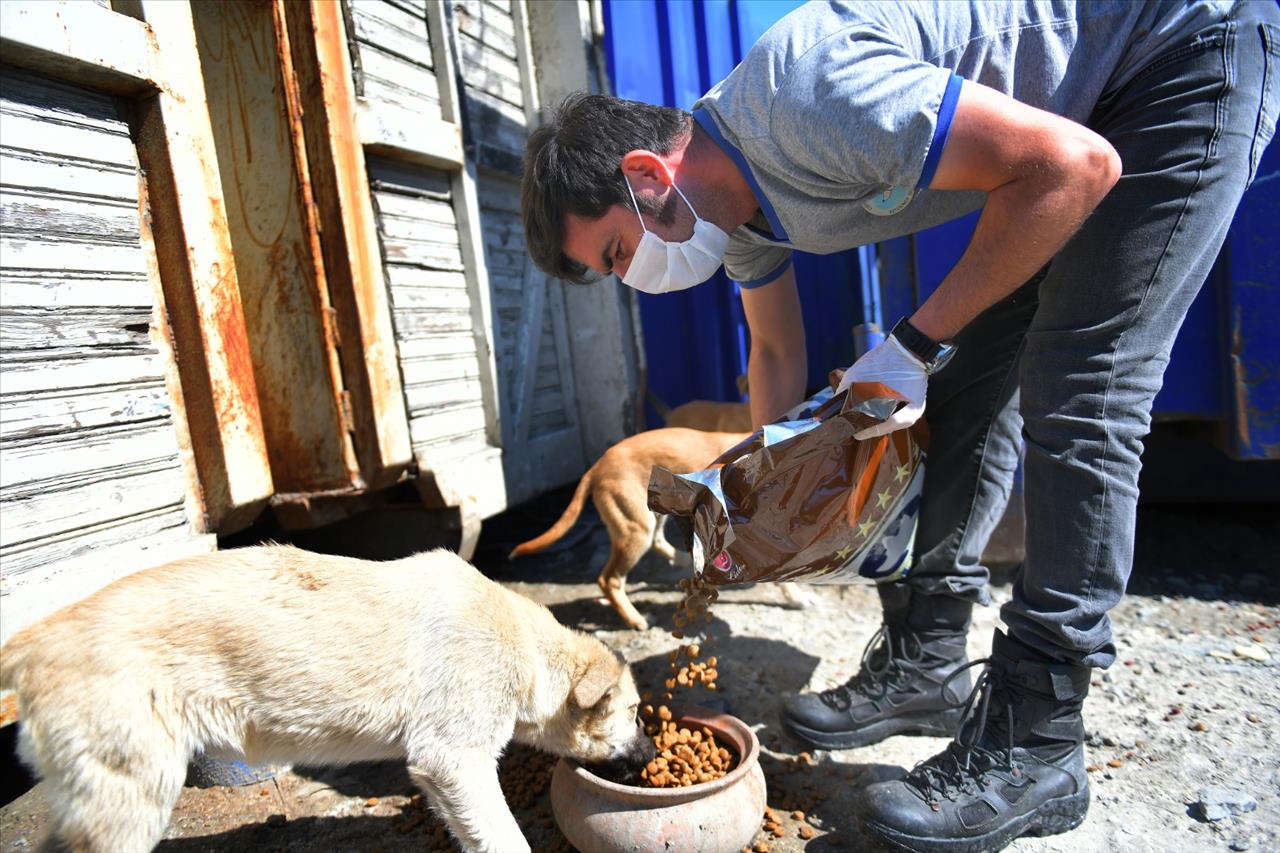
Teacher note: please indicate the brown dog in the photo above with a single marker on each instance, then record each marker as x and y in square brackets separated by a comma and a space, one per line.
[619, 486]
[708, 415]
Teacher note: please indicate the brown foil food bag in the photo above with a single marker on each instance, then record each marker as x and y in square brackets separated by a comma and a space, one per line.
[802, 499]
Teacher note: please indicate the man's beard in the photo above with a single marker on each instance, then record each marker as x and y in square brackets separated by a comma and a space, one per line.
[664, 213]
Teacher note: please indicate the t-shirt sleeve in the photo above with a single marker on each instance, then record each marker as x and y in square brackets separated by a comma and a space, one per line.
[859, 109]
[755, 265]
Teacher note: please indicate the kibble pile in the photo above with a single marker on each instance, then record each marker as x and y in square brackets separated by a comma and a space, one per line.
[685, 756]
[525, 773]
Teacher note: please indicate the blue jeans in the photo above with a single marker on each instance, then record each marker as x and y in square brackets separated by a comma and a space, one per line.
[1072, 361]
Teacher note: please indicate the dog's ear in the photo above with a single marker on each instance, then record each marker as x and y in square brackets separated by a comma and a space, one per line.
[596, 682]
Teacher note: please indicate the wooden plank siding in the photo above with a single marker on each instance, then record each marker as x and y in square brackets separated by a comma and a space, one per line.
[88, 44]
[492, 84]
[507, 260]
[89, 452]
[538, 404]
[391, 56]
[431, 308]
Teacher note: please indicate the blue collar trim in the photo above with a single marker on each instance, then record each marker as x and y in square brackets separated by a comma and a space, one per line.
[707, 123]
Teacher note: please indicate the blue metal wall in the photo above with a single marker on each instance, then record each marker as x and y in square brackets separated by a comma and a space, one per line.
[1248, 300]
[696, 341]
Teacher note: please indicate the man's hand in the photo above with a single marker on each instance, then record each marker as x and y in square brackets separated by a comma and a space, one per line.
[778, 365]
[889, 363]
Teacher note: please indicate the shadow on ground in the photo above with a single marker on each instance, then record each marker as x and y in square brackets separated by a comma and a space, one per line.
[371, 779]
[300, 835]
[1201, 551]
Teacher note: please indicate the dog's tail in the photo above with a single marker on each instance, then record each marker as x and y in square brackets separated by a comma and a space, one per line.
[663, 410]
[561, 527]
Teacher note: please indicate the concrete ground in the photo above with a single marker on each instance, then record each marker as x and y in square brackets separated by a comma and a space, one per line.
[1193, 703]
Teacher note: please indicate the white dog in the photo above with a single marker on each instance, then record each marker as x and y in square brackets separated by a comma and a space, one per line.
[278, 655]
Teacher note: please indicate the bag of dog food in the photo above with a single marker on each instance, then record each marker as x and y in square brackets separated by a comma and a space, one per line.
[802, 499]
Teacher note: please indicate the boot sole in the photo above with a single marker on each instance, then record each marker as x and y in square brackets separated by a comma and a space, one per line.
[935, 724]
[1050, 818]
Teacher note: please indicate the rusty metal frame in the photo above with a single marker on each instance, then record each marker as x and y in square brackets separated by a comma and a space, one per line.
[197, 272]
[363, 331]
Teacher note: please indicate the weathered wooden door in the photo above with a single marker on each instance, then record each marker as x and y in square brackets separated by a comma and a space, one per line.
[318, 325]
[116, 453]
[452, 243]
[542, 434]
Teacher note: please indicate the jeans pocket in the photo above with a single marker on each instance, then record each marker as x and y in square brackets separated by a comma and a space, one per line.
[1267, 106]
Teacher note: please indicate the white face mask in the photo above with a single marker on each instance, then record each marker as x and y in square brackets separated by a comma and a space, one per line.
[659, 266]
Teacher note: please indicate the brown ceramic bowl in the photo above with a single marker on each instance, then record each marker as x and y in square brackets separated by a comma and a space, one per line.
[599, 816]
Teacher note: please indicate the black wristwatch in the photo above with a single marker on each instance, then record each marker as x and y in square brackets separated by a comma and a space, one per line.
[934, 354]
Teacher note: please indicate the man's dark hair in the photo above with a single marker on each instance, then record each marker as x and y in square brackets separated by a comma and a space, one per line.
[572, 164]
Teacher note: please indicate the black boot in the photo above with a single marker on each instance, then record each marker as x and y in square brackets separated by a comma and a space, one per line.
[898, 688]
[1016, 766]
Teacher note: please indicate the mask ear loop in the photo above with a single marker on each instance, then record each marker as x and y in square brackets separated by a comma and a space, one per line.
[635, 203]
[674, 186]
[685, 199]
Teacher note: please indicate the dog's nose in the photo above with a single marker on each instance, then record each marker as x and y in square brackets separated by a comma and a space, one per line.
[643, 749]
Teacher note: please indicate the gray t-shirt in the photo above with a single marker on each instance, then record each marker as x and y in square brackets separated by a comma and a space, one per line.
[838, 115]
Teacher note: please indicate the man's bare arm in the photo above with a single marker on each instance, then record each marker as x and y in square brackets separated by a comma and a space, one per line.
[1043, 175]
[777, 367]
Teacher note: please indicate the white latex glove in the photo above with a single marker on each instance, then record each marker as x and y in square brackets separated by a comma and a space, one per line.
[892, 364]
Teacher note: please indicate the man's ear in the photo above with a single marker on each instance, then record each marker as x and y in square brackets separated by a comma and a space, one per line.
[596, 683]
[646, 171]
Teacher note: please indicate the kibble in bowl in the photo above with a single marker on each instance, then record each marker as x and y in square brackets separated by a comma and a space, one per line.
[722, 813]
[686, 755]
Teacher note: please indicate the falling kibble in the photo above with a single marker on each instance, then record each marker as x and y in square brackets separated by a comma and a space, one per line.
[692, 609]
[686, 756]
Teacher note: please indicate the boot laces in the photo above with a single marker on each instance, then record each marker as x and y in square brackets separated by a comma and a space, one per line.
[885, 664]
[963, 766]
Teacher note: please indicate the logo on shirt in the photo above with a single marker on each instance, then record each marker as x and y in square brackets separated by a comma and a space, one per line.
[889, 202]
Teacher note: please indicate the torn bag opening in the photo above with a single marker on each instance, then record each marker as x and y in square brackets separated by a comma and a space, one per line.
[802, 499]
